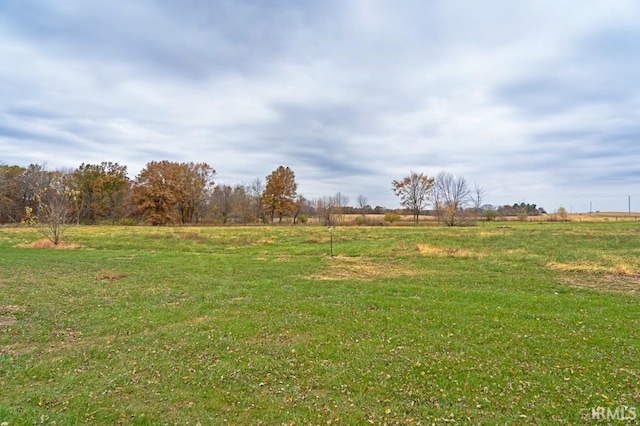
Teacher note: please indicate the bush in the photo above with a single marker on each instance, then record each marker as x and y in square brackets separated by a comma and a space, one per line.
[303, 218]
[392, 217]
[562, 214]
[490, 215]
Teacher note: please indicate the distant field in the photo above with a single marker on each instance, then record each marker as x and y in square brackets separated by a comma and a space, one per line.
[378, 219]
[501, 323]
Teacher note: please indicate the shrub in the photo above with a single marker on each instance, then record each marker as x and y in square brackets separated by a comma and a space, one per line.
[490, 215]
[392, 217]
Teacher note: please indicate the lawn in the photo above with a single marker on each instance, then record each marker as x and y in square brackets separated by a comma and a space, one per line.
[525, 323]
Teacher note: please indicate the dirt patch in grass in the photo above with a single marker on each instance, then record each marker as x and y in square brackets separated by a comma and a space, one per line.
[445, 251]
[7, 320]
[629, 284]
[106, 276]
[16, 349]
[47, 244]
[360, 268]
[7, 314]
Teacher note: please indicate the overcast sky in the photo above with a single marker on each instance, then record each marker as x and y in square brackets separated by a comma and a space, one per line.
[536, 101]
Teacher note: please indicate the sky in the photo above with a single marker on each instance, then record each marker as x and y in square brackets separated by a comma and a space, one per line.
[536, 101]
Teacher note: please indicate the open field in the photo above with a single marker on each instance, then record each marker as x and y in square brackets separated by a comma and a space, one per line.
[518, 323]
[430, 220]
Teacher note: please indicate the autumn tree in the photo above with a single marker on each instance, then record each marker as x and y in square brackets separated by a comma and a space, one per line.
[10, 208]
[280, 192]
[195, 183]
[413, 191]
[169, 192]
[103, 189]
[31, 183]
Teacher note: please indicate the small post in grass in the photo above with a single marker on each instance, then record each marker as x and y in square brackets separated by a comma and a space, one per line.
[330, 229]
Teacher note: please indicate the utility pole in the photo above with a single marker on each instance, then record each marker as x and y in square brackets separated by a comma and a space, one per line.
[629, 205]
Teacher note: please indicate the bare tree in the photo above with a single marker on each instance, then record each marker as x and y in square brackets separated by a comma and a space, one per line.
[340, 201]
[451, 195]
[363, 204]
[242, 203]
[222, 203]
[325, 208]
[562, 214]
[55, 208]
[330, 208]
[255, 189]
[477, 198]
[413, 191]
[300, 205]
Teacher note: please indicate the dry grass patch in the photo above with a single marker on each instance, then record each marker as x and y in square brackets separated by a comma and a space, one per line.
[619, 278]
[10, 309]
[264, 241]
[622, 269]
[446, 251]
[47, 244]
[360, 268]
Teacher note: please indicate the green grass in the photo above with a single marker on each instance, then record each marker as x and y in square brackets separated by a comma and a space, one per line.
[525, 324]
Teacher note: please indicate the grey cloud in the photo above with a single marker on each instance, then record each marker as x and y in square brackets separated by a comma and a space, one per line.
[526, 96]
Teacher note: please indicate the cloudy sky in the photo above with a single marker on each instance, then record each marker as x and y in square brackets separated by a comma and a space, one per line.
[536, 101]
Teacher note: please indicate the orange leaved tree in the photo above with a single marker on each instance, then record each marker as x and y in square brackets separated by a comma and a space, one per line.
[280, 192]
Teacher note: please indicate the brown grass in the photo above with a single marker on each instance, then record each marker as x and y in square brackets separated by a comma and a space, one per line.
[10, 309]
[47, 244]
[445, 251]
[620, 278]
[589, 267]
[360, 268]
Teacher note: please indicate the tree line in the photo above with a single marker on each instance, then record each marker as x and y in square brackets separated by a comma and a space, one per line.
[163, 193]
[178, 193]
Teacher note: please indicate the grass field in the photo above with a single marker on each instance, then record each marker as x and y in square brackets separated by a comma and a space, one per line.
[525, 323]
